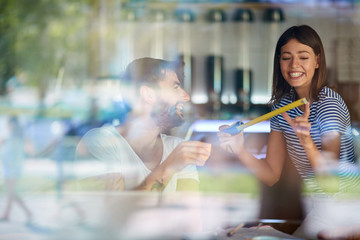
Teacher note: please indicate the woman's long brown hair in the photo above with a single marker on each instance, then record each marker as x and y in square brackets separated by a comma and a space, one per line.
[308, 36]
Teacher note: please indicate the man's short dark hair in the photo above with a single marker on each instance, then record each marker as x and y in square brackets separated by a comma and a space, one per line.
[149, 71]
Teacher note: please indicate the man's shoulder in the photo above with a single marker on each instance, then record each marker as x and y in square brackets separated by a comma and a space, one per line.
[105, 130]
[99, 136]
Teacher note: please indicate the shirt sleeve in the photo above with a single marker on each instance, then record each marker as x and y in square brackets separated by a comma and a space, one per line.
[98, 148]
[274, 121]
[333, 116]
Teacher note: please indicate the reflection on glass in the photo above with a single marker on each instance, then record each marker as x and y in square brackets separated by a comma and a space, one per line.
[61, 76]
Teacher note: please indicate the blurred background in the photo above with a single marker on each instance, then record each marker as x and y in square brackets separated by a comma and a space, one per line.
[61, 64]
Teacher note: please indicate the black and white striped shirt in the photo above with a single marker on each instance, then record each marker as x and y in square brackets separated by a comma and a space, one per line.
[329, 113]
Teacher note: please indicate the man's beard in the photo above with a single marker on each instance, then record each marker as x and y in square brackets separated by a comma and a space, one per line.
[166, 117]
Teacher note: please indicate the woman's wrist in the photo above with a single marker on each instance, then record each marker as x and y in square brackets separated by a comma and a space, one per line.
[309, 145]
[240, 152]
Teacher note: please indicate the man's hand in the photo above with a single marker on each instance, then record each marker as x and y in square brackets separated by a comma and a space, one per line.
[186, 153]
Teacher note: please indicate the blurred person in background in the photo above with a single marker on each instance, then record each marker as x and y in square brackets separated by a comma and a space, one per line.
[13, 151]
[316, 136]
[139, 154]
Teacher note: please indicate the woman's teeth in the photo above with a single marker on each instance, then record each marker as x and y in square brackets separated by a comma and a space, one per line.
[296, 74]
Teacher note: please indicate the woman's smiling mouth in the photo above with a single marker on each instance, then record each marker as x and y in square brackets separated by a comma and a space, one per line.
[296, 74]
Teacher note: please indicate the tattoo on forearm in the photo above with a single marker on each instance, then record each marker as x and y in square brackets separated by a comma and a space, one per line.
[158, 186]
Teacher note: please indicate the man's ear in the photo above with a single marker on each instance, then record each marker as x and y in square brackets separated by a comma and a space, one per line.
[147, 94]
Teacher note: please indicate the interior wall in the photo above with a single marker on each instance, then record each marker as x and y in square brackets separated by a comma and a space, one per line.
[164, 37]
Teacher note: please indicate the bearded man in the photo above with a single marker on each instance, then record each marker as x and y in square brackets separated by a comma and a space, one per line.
[139, 155]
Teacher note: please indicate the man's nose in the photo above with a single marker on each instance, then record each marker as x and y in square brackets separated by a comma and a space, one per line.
[185, 96]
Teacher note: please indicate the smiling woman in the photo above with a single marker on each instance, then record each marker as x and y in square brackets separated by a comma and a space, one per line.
[315, 136]
[298, 63]
[299, 51]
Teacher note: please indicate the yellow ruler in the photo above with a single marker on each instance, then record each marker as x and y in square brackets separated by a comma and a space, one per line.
[238, 126]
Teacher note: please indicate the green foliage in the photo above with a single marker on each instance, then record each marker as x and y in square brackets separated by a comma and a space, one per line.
[8, 20]
[330, 184]
[39, 37]
[229, 182]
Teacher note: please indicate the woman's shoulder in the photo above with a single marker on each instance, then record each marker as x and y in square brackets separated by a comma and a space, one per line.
[330, 96]
[331, 104]
[327, 92]
[287, 99]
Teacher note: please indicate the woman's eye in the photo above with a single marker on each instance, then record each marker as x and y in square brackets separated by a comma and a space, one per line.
[285, 58]
[304, 58]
